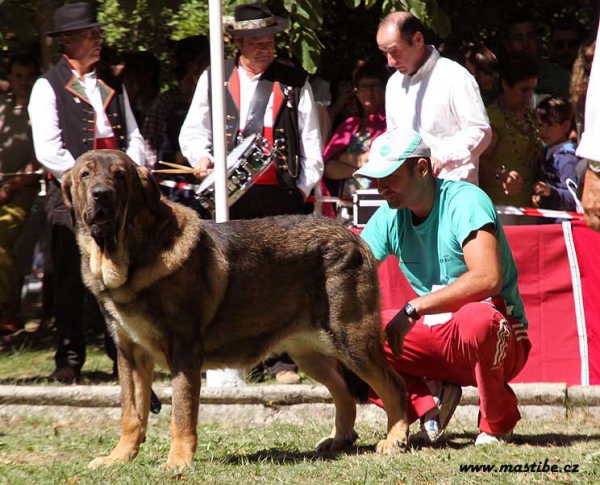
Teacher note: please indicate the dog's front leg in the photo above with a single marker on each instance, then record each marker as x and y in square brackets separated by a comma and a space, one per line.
[136, 371]
[186, 367]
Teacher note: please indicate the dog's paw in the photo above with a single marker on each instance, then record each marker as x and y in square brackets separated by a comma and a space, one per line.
[338, 443]
[177, 463]
[104, 461]
[390, 446]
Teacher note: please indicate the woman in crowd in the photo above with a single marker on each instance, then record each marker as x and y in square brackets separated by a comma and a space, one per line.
[511, 164]
[482, 63]
[348, 149]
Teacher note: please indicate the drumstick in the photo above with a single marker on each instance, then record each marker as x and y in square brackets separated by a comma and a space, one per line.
[176, 165]
[175, 170]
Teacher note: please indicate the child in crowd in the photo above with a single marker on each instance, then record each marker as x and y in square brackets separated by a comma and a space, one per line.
[559, 180]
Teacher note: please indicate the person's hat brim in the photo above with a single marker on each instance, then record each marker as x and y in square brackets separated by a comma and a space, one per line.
[390, 150]
[279, 26]
[56, 33]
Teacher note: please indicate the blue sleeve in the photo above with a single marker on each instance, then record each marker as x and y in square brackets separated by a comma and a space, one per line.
[561, 197]
[377, 234]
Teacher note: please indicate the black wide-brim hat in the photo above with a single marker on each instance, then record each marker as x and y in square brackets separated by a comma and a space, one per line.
[255, 20]
[74, 16]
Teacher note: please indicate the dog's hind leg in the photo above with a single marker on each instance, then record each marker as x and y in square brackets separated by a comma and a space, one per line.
[185, 363]
[368, 362]
[136, 371]
[327, 371]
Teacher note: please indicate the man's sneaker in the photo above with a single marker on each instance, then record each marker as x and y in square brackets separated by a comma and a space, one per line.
[447, 396]
[484, 438]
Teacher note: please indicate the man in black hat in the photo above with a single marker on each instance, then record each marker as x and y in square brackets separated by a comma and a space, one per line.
[268, 98]
[72, 111]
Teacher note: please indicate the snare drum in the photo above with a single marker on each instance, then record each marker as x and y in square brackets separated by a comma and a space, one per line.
[245, 164]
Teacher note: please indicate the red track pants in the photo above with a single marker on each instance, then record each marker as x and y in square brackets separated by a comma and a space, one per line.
[479, 346]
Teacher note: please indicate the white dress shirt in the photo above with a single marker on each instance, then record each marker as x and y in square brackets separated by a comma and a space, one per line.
[195, 138]
[589, 146]
[47, 134]
[442, 102]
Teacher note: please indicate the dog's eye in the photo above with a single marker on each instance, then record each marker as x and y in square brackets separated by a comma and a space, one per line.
[119, 174]
[84, 174]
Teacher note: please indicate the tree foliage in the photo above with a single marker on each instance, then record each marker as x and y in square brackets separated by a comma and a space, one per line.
[322, 34]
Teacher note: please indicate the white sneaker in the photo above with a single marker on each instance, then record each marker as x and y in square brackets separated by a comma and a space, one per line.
[484, 438]
[446, 396]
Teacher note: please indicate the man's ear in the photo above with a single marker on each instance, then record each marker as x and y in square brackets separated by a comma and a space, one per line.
[65, 187]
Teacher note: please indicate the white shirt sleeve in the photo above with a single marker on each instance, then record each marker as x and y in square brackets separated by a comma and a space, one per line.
[310, 141]
[135, 141]
[195, 137]
[475, 134]
[589, 147]
[47, 135]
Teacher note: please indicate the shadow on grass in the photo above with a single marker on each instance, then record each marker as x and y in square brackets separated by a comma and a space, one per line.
[459, 441]
[275, 455]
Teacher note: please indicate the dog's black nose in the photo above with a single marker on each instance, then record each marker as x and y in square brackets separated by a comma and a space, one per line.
[100, 193]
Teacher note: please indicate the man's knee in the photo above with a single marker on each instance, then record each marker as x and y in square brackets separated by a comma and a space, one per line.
[480, 324]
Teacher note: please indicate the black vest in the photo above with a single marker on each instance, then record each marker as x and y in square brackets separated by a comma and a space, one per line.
[286, 134]
[76, 116]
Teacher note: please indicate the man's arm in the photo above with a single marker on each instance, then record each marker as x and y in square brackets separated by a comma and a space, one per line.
[311, 159]
[469, 111]
[135, 142]
[47, 135]
[482, 279]
[195, 137]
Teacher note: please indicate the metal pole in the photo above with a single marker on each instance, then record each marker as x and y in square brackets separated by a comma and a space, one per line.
[221, 377]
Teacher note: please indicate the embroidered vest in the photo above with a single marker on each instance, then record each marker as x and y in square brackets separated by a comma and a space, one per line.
[76, 115]
[287, 87]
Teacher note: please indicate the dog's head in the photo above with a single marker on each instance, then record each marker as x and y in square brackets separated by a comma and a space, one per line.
[104, 190]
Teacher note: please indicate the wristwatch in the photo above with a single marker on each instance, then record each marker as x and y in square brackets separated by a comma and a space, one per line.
[411, 311]
[594, 165]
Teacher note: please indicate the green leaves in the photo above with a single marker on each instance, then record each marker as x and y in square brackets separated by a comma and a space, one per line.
[428, 11]
[308, 13]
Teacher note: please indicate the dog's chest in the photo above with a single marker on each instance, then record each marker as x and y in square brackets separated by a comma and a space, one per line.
[140, 329]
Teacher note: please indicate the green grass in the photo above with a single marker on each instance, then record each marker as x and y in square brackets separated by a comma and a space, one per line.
[44, 449]
[55, 446]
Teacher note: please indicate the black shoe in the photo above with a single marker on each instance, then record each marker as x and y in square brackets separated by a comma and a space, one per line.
[65, 375]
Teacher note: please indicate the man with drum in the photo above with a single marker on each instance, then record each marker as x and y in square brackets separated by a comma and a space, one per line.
[271, 99]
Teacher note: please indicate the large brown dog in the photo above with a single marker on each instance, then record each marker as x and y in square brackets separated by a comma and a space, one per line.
[189, 294]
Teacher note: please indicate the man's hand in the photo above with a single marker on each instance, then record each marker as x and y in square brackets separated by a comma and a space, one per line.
[396, 330]
[511, 181]
[542, 188]
[203, 167]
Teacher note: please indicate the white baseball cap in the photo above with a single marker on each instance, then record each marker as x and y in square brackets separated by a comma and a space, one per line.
[390, 150]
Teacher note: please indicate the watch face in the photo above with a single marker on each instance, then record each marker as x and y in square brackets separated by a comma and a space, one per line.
[594, 165]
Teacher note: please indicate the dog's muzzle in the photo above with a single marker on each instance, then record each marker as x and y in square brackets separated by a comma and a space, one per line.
[100, 216]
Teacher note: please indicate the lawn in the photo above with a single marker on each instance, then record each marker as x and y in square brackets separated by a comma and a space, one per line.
[54, 445]
[46, 448]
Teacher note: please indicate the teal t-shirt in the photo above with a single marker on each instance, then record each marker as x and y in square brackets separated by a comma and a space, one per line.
[431, 253]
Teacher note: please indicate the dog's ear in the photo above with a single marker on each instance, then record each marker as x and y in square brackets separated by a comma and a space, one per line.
[151, 192]
[65, 187]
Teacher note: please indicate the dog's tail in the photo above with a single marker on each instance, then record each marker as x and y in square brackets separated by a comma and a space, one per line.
[358, 388]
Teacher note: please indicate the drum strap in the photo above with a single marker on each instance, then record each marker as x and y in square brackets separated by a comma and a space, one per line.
[258, 106]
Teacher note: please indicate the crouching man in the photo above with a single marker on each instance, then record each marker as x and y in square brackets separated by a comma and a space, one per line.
[467, 326]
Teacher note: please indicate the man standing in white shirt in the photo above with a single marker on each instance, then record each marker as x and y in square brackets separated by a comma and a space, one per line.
[72, 111]
[434, 96]
[271, 99]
